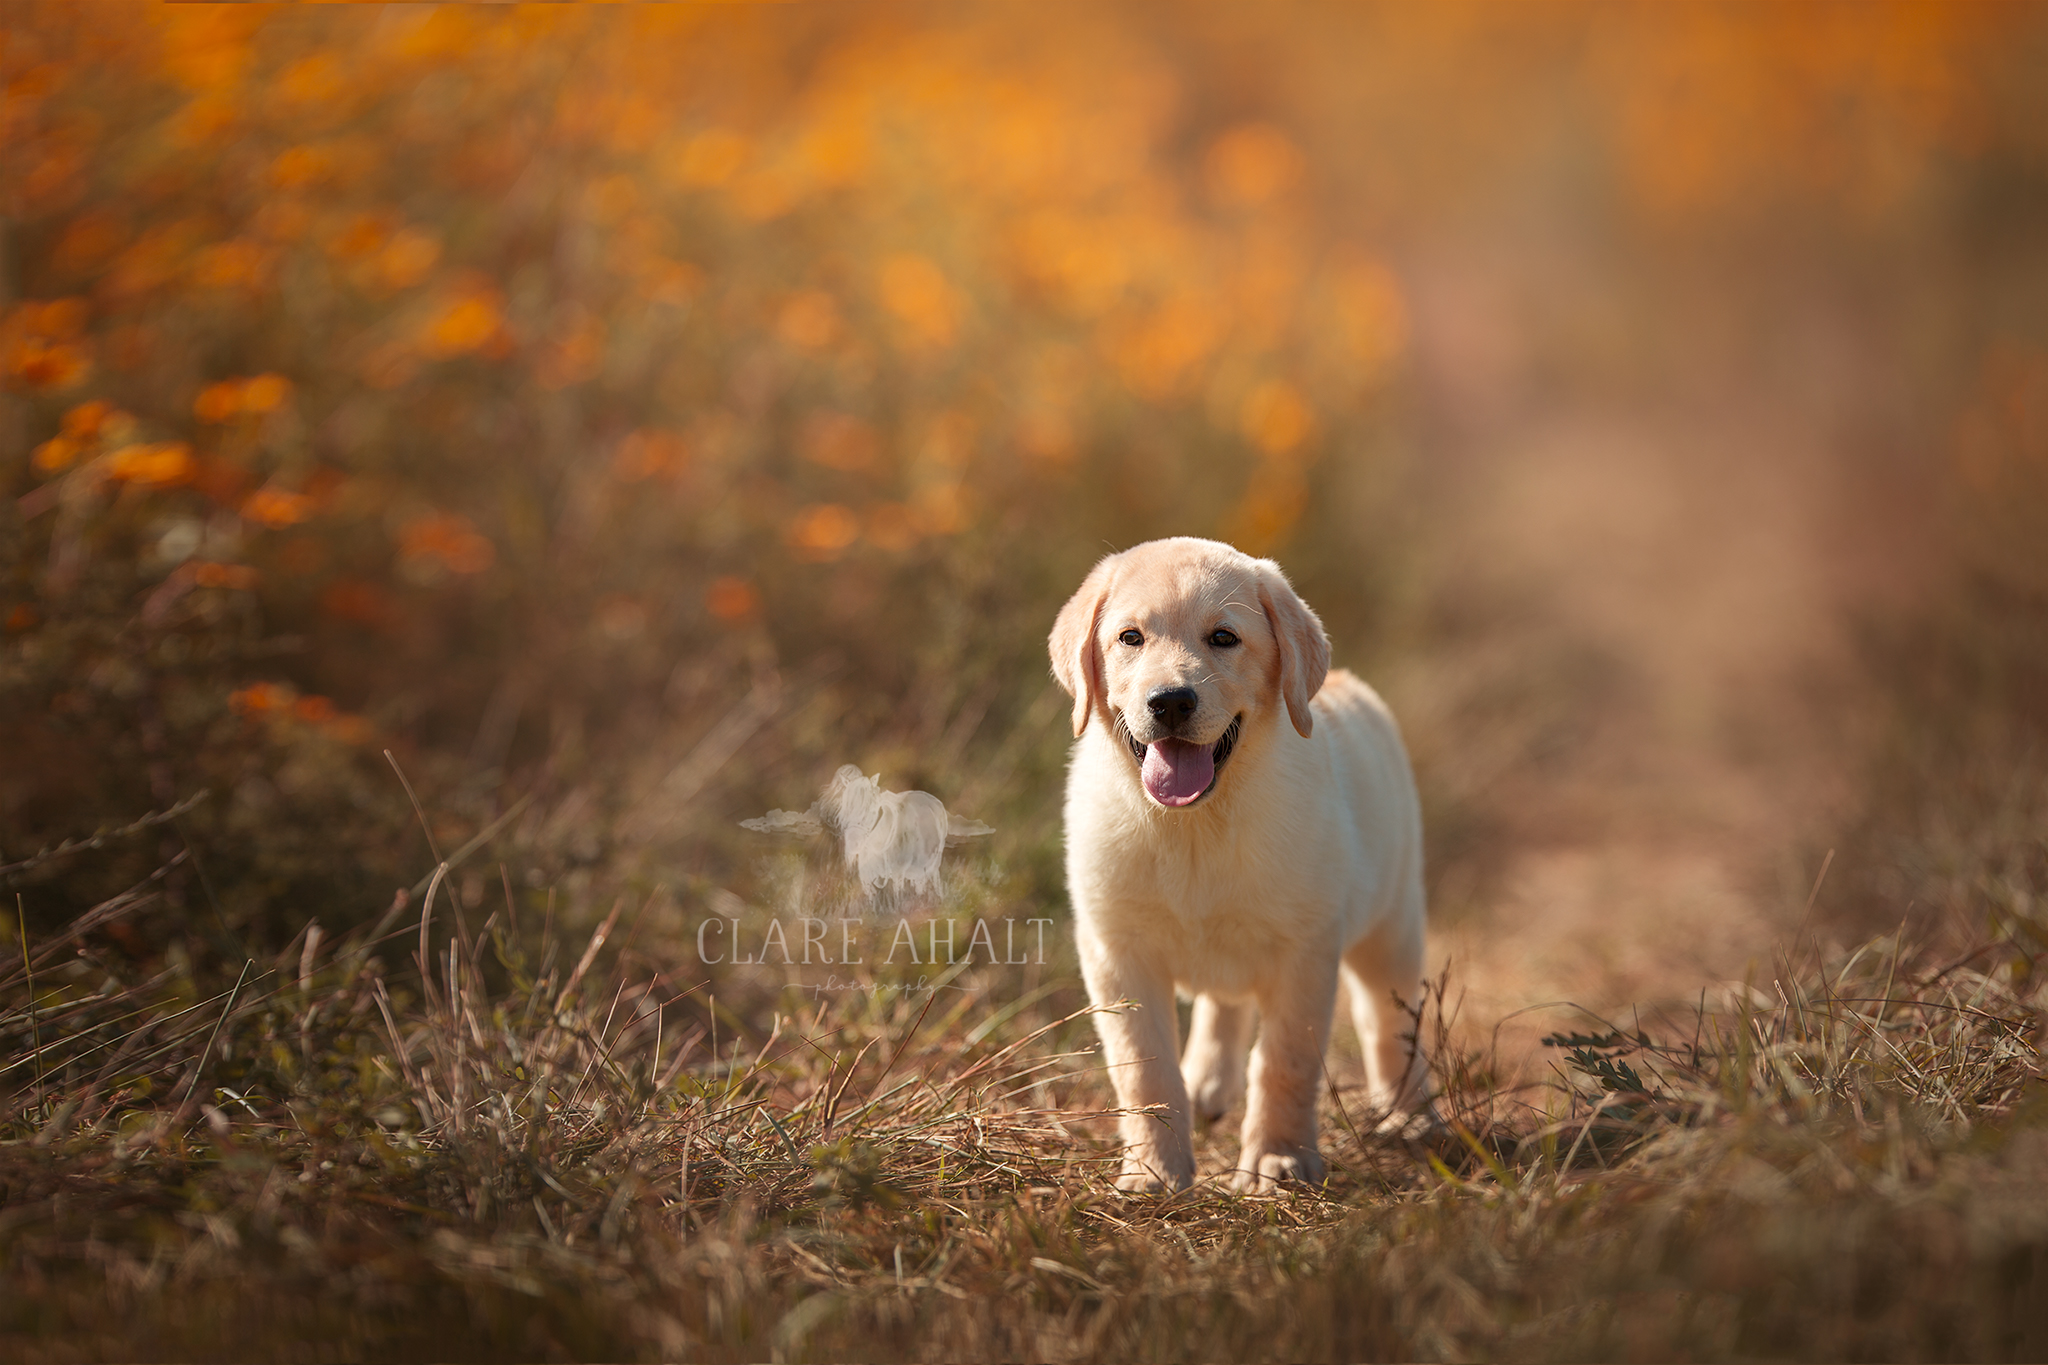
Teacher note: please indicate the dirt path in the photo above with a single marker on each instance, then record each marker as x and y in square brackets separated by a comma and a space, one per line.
[1655, 707]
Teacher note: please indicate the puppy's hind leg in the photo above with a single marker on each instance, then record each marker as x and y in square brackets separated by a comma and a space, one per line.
[1219, 1045]
[1383, 975]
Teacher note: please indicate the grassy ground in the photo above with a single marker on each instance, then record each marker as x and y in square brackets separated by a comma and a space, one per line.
[518, 1155]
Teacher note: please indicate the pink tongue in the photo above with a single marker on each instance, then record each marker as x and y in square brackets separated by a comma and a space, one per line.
[1176, 772]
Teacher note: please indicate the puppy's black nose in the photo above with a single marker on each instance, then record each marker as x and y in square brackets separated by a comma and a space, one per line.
[1172, 705]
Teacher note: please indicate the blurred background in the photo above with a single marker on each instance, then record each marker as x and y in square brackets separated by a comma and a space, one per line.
[626, 416]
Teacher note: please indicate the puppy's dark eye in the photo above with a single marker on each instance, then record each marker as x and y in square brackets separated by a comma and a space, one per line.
[1222, 639]
[1132, 638]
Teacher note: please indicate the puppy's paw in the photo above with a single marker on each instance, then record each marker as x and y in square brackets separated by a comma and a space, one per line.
[1155, 1176]
[1264, 1169]
[1211, 1097]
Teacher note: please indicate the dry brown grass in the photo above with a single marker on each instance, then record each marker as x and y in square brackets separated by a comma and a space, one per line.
[514, 1155]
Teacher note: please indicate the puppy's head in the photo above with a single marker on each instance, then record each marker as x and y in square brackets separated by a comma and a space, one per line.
[1179, 646]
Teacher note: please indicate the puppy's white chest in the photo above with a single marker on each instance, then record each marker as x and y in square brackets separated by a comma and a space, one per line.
[1208, 912]
[1201, 893]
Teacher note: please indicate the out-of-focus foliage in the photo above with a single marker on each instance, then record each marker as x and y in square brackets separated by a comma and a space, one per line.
[495, 382]
[523, 389]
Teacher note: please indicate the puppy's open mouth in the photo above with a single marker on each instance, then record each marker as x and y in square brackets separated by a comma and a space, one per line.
[1177, 773]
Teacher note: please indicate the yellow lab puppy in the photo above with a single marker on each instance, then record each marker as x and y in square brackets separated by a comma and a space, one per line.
[1241, 824]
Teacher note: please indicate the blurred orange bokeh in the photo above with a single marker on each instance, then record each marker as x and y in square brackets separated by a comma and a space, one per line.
[527, 377]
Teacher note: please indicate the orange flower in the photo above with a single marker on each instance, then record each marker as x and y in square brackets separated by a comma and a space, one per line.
[670, 282]
[731, 599]
[1252, 164]
[54, 454]
[56, 319]
[354, 600]
[283, 220]
[84, 422]
[365, 233]
[88, 240]
[276, 508]
[207, 574]
[297, 167]
[222, 481]
[218, 402]
[164, 464]
[921, 297]
[283, 700]
[53, 175]
[262, 393]
[407, 258]
[312, 80]
[227, 265]
[203, 120]
[1276, 418]
[823, 531]
[446, 539]
[651, 454]
[1087, 265]
[265, 393]
[258, 698]
[941, 509]
[41, 364]
[325, 484]
[346, 729]
[468, 322]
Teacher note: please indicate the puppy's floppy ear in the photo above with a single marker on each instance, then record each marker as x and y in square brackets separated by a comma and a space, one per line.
[1076, 657]
[1304, 648]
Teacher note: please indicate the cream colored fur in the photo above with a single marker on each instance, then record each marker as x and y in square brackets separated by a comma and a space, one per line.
[1302, 862]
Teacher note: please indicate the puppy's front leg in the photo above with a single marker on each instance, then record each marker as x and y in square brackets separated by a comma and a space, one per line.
[1139, 1043]
[1287, 1075]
